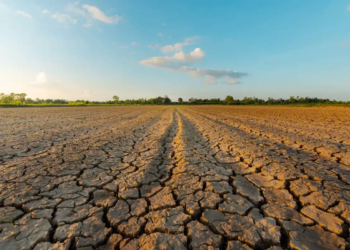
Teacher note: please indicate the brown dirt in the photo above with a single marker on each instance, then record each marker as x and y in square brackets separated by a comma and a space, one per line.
[192, 177]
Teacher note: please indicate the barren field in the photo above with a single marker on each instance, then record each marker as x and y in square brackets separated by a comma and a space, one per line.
[162, 177]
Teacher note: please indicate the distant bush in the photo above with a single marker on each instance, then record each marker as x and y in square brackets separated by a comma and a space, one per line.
[21, 100]
[77, 104]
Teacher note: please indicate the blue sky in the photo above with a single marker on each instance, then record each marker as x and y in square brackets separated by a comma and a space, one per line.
[205, 49]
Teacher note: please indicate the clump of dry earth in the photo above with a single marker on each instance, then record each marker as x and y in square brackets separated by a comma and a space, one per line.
[161, 177]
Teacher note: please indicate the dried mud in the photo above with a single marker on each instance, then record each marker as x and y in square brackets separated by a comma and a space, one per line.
[162, 177]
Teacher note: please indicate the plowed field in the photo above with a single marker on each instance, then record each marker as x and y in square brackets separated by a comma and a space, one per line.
[191, 177]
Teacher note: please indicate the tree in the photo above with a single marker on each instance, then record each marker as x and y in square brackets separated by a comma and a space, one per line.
[116, 99]
[215, 101]
[2, 98]
[292, 99]
[159, 100]
[167, 100]
[229, 100]
[21, 98]
[270, 101]
[180, 100]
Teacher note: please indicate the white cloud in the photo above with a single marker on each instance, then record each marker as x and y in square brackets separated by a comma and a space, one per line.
[4, 7]
[160, 34]
[87, 12]
[153, 46]
[178, 46]
[26, 15]
[41, 78]
[134, 44]
[175, 61]
[97, 14]
[180, 61]
[74, 9]
[64, 18]
[194, 56]
[61, 17]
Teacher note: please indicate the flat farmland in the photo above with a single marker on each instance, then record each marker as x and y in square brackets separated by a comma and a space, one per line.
[165, 177]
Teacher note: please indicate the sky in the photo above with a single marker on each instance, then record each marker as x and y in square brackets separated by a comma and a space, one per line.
[93, 49]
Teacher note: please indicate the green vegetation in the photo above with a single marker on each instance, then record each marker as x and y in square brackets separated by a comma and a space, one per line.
[15, 100]
[20, 99]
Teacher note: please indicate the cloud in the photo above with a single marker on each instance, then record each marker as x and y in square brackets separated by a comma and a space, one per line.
[178, 46]
[194, 56]
[26, 15]
[233, 81]
[4, 7]
[175, 61]
[160, 34]
[87, 12]
[61, 17]
[155, 46]
[180, 62]
[87, 25]
[41, 78]
[97, 14]
[72, 7]
[212, 76]
[208, 80]
[196, 72]
[64, 18]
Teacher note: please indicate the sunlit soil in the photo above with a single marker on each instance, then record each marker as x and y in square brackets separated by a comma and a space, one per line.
[165, 177]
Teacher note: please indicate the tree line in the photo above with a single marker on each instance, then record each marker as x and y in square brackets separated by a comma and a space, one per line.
[21, 99]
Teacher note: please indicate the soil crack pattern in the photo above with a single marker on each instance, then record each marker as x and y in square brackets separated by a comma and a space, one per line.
[162, 177]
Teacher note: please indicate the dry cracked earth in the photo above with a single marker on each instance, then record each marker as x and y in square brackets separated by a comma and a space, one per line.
[174, 178]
